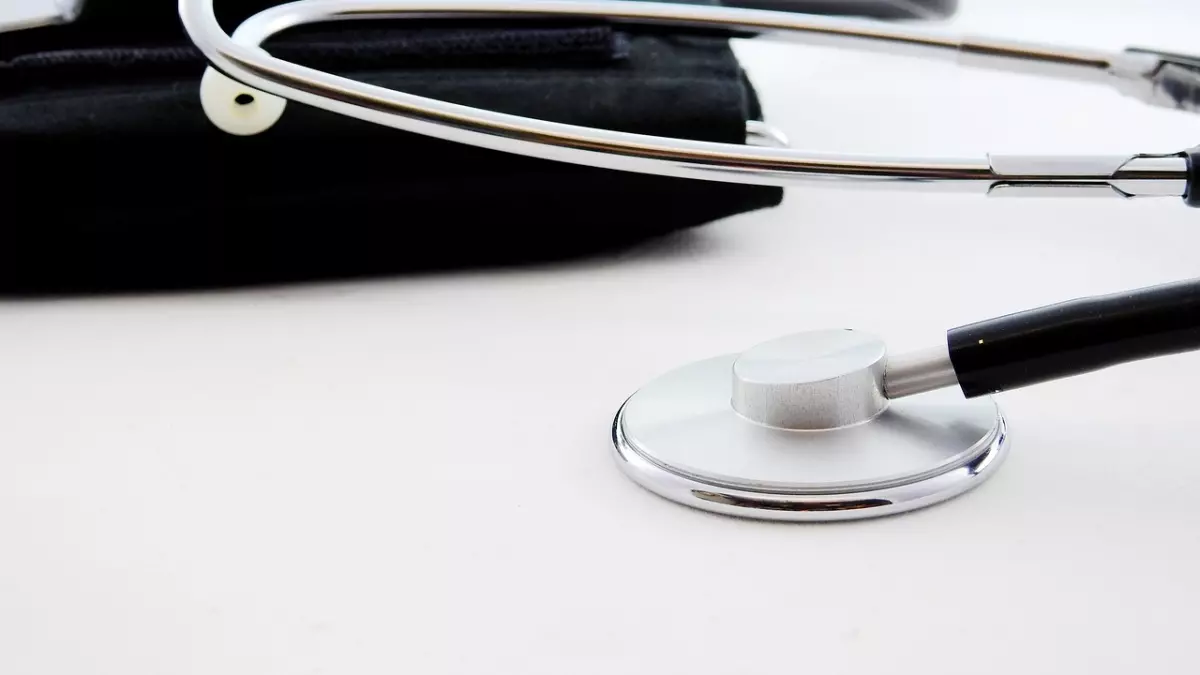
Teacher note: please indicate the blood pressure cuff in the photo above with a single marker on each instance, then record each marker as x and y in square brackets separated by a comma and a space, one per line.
[111, 176]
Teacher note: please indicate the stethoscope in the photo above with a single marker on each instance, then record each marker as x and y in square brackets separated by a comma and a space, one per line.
[823, 425]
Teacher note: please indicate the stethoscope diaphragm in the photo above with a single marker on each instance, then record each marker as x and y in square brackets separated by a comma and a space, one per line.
[681, 436]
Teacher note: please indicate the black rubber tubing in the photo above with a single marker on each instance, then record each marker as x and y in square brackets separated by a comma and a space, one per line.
[1075, 337]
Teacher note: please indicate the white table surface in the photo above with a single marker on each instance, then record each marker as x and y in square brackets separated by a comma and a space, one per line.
[413, 475]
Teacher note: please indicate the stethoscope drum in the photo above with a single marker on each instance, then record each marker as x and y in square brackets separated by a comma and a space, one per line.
[800, 429]
[828, 425]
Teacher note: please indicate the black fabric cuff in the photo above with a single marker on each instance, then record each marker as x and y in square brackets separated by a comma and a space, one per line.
[115, 180]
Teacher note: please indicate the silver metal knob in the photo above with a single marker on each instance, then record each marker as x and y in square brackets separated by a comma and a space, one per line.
[808, 381]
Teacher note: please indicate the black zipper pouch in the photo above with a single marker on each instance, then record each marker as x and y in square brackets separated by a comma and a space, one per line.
[113, 178]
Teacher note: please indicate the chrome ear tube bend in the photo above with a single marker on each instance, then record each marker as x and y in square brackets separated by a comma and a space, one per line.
[248, 72]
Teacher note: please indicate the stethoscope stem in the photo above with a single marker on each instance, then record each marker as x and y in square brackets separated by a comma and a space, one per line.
[1053, 342]
[917, 372]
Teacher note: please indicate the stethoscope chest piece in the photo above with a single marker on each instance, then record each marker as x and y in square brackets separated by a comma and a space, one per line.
[801, 429]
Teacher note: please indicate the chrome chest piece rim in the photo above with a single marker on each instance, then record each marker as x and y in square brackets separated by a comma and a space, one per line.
[684, 437]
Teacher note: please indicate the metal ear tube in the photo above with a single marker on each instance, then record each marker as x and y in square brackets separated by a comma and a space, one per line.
[1154, 77]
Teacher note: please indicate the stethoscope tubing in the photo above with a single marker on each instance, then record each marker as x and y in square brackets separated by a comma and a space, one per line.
[1054, 342]
[1136, 72]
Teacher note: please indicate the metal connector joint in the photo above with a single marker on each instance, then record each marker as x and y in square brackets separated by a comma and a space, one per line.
[1143, 175]
[1173, 80]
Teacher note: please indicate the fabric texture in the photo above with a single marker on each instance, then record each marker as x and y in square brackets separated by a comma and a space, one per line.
[114, 179]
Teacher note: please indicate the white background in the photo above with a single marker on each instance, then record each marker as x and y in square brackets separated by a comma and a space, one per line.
[413, 475]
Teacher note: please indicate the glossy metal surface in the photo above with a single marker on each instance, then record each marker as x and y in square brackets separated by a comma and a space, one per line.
[1141, 175]
[241, 58]
[816, 380]
[680, 438]
[762, 134]
[918, 372]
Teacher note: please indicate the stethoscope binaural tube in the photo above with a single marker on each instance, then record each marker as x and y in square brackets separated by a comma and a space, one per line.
[241, 67]
[1056, 341]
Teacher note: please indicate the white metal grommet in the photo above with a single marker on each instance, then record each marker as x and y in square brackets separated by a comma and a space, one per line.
[237, 109]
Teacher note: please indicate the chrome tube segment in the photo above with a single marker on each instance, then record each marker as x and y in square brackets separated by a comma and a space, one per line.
[241, 58]
[1149, 176]
[1118, 175]
[1053, 60]
[919, 372]
[1170, 80]
[763, 134]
